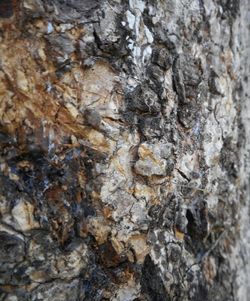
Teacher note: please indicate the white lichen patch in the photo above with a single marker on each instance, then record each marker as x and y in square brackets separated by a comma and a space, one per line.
[137, 5]
[212, 141]
[130, 19]
[23, 216]
[127, 292]
[22, 81]
[152, 159]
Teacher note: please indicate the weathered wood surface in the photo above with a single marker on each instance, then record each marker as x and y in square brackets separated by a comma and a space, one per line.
[124, 135]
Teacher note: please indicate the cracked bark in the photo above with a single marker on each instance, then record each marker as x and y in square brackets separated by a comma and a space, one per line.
[124, 168]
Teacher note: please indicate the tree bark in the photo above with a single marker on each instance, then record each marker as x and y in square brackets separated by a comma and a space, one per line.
[124, 167]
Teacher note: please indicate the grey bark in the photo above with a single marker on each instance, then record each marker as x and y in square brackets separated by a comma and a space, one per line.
[124, 166]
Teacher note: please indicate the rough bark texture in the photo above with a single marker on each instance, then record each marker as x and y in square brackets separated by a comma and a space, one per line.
[123, 169]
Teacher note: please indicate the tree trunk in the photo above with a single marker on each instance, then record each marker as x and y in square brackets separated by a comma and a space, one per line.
[124, 168]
